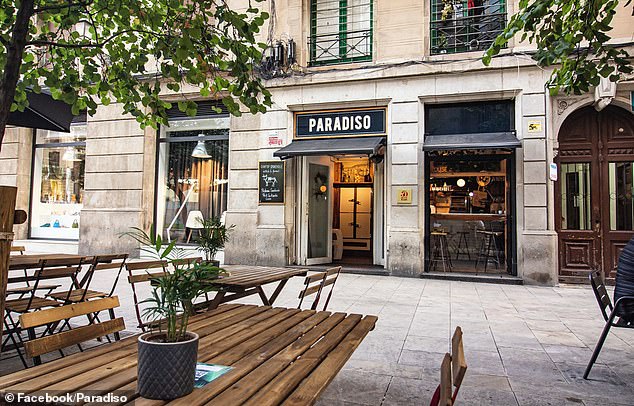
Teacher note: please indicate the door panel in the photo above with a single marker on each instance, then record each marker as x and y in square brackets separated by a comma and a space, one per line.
[347, 225]
[347, 200]
[364, 224]
[317, 216]
[364, 199]
[593, 229]
[578, 246]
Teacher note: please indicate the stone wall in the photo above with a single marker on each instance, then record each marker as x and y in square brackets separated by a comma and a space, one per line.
[15, 169]
[114, 195]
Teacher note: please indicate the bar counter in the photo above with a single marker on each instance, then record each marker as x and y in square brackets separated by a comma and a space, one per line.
[469, 216]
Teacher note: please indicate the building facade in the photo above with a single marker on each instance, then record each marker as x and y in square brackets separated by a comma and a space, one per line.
[389, 146]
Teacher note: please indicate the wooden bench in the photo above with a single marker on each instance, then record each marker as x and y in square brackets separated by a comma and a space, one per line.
[35, 347]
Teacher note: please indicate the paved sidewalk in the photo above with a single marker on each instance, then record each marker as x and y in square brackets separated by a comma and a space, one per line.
[524, 345]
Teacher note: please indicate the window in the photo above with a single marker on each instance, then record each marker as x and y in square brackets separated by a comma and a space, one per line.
[470, 118]
[575, 196]
[469, 25]
[192, 175]
[621, 178]
[340, 31]
[58, 182]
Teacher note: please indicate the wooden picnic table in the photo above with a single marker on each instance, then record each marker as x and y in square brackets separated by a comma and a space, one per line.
[279, 356]
[31, 260]
[246, 280]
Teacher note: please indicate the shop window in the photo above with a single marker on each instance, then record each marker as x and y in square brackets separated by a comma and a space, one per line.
[192, 175]
[470, 198]
[465, 25]
[58, 183]
[340, 31]
[469, 118]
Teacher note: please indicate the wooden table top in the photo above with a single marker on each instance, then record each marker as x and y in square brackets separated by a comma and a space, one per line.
[279, 356]
[30, 260]
[250, 275]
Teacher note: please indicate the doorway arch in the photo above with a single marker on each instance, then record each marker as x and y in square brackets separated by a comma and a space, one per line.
[594, 207]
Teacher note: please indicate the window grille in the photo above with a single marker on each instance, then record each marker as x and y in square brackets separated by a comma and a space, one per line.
[465, 25]
[340, 31]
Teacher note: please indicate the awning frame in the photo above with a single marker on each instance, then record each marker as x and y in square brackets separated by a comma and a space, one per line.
[500, 140]
[371, 146]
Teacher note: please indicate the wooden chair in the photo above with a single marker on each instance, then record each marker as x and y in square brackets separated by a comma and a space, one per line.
[603, 299]
[135, 277]
[21, 290]
[46, 269]
[452, 372]
[315, 284]
[35, 347]
[99, 263]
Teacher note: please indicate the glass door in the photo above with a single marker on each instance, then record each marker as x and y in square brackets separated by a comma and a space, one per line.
[318, 208]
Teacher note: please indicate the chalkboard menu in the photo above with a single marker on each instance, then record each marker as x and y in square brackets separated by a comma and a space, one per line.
[271, 182]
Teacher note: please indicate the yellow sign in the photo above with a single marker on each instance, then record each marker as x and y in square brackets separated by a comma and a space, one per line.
[404, 195]
[534, 127]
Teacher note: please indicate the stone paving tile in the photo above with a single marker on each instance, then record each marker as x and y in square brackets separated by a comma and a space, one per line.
[357, 387]
[524, 345]
[404, 391]
[557, 338]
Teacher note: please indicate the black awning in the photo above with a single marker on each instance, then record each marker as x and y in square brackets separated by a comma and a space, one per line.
[335, 146]
[43, 112]
[471, 141]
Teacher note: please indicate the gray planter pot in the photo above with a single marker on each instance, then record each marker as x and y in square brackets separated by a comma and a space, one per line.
[166, 370]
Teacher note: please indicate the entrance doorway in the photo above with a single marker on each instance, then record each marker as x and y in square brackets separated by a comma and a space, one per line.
[341, 211]
[594, 208]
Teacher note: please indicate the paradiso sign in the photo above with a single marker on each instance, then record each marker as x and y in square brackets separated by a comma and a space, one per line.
[340, 123]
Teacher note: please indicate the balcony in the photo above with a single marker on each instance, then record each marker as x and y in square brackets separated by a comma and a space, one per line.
[463, 26]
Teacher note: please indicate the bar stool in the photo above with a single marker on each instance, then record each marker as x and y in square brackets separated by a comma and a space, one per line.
[488, 248]
[440, 251]
[463, 244]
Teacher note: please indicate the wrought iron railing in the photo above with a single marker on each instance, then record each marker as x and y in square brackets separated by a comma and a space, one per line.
[462, 26]
[340, 31]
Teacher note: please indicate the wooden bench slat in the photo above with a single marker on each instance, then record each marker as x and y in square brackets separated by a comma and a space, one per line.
[43, 375]
[260, 376]
[313, 385]
[96, 374]
[146, 277]
[458, 361]
[262, 339]
[47, 374]
[314, 277]
[445, 381]
[135, 266]
[112, 265]
[287, 380]
[46, 316]
[256, 358]
[77, 335]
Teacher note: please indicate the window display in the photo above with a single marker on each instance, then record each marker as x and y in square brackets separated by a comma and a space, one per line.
[193, 175]
[58, 186]
[468, 197]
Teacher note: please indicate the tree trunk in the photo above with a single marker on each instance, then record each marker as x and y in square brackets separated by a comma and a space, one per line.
[7, 213]
[15, 50]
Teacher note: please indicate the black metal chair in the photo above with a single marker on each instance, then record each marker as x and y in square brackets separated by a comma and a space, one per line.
[601, 293]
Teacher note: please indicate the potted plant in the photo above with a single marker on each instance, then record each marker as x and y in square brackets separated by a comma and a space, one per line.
[212, 238]
[168, 353]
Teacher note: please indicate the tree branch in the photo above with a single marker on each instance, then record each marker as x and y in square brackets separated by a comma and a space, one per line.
[57, 7]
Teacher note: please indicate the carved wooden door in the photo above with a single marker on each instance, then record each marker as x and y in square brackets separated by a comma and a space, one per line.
[594, 205]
